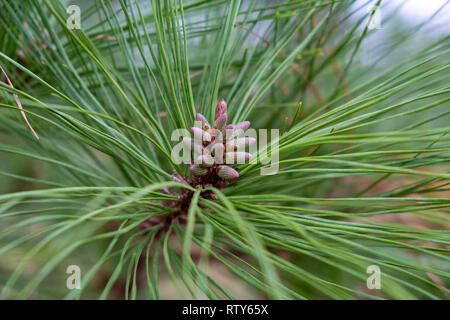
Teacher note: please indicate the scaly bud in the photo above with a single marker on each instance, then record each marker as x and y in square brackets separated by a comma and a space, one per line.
[227, 173]
[221, 109]
[242, 125]
[220, 121]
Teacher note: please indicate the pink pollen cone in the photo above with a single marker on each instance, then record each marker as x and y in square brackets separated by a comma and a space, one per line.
[227, 173]
[221, 121]
[242, 125]
[221, 109]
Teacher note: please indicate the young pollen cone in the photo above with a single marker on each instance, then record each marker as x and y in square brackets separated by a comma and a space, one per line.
[221, 109]
[227, 173]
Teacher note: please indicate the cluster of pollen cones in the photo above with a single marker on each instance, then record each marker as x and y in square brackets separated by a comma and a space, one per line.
[215, 149]
[219, 146]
